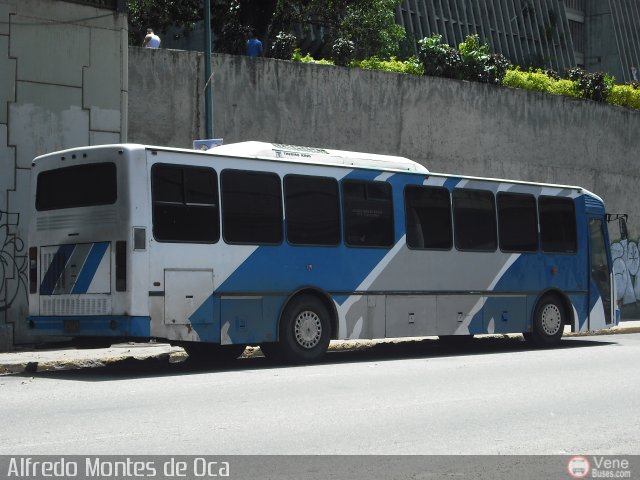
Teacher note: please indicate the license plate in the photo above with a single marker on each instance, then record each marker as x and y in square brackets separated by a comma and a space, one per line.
[71, 326]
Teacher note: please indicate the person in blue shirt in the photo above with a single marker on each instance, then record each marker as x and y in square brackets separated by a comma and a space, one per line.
[254, 46]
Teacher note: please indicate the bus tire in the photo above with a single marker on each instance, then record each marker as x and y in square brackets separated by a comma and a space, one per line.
[548, 322]
[212, 352]
[305, 330]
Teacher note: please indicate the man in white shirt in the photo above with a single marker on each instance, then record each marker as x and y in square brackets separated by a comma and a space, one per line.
[151, 40]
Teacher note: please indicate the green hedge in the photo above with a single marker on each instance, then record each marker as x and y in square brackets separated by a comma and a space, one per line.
[411, 66]
[535, 80]
[625, 95]
[538, 81]
[298, 57]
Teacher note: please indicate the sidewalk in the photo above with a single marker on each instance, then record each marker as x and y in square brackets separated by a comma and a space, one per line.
[70, 358]
[31, 361]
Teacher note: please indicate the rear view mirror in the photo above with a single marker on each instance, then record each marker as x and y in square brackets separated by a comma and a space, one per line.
[624, 233]
[622, 223]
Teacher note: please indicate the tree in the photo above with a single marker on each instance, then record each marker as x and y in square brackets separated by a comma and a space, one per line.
[161, 15]
[232, 20]
[369, 25]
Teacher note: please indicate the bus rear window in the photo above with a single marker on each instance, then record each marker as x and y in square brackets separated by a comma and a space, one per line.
[77, 186]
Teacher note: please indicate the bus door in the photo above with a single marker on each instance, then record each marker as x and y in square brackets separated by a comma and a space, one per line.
[601, 303]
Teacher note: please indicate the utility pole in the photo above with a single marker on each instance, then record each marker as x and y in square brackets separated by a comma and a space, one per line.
[208, 90]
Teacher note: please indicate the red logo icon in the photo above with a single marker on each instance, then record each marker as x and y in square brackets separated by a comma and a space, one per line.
[579, 467]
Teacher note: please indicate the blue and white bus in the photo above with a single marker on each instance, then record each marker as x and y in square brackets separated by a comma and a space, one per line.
[290, 247]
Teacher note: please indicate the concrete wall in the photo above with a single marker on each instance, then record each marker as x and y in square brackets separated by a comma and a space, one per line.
[63, 83]
[449, 126]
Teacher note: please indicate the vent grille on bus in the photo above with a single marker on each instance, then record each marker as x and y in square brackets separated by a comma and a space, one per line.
[58, 221]
[75, 306]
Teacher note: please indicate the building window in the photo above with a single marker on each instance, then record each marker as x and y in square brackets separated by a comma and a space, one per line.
[108, 4]
[575, 4]
[577, 35]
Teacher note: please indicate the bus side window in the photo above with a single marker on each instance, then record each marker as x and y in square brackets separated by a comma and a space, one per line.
[185, 204]
[517, 222]
[368, 213]
[415, 235]
[557, 225]
[428, 217]
[312, 210]
[474, 217]
[251, 207]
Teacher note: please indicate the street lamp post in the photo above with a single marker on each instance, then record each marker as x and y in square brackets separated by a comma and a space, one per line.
[208, 89]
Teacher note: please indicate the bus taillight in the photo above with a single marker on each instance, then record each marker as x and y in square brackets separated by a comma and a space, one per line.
[121, 266]
[33, 270]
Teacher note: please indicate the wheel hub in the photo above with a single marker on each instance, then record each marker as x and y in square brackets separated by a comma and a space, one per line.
[551, 319]
[308, 329]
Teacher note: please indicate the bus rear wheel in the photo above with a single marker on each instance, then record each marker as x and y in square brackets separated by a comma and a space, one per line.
[548, 322]
[305, 331]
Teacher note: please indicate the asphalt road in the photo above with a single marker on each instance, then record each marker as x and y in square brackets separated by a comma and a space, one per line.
[496, 397]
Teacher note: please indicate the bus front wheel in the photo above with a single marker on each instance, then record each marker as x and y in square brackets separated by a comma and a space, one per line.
[305, 330]
[548, 322]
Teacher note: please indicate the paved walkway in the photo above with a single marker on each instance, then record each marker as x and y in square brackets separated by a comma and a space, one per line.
[34, 360]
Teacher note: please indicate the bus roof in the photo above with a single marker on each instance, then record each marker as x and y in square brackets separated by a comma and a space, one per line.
[316, 156]
[325, 156]
[279, 152]
[322, 156]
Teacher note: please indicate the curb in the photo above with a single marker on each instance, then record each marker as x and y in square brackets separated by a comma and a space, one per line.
[72, 359]
[609, 331]
[51, 361]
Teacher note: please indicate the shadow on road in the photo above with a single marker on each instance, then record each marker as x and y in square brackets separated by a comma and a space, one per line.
[380, 352]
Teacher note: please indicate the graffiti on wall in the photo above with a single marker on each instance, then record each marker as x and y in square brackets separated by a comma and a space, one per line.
[13, 261]
[626, 269]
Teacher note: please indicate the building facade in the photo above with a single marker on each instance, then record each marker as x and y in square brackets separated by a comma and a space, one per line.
[598, 35]
[63, 83]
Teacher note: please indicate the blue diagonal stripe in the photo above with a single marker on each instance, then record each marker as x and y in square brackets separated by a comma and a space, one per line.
[451, 183]
[56, 268]
[90, 267]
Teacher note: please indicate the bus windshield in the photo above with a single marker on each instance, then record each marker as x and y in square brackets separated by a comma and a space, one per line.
[77, 186]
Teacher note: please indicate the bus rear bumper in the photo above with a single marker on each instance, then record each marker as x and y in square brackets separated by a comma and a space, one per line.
[94, 326]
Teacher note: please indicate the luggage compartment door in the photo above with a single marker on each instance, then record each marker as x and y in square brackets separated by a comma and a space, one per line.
[185, 292]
